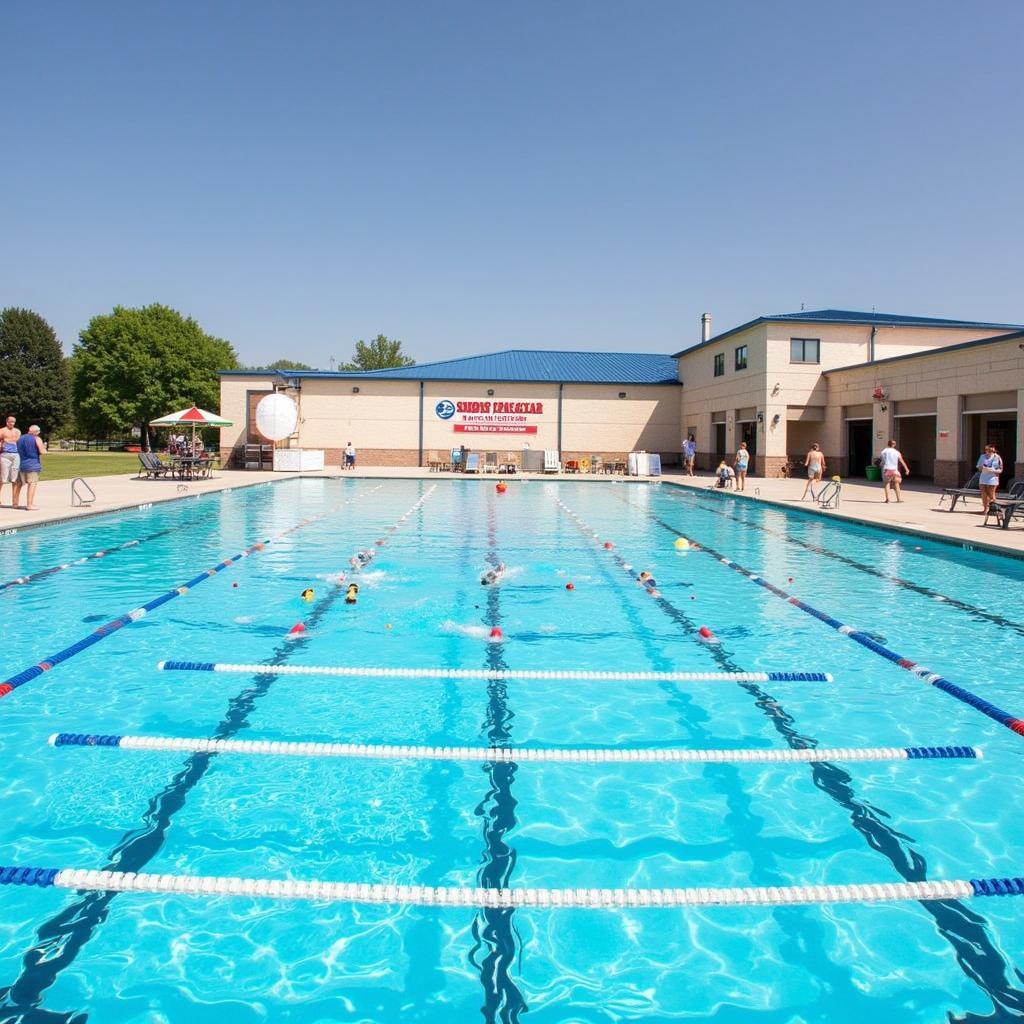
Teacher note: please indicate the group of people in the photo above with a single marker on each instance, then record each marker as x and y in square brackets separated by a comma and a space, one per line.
[891, 462]
[184, 447]
[21, 462]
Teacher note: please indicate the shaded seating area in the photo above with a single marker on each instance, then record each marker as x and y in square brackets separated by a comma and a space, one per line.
[969, 490]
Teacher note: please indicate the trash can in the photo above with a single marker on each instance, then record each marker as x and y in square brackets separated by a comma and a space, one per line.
[873, 473]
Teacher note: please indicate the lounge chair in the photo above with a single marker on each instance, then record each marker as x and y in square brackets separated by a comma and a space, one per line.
[551, 462]
[472, 462]
[1008, 508]
[151, 466]
[955, 494]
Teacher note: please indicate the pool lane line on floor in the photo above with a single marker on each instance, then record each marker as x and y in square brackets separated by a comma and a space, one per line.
[489, 898]
[519, 755]
[917, 588]
[32, 577]
[62, 936]
[966, 932]
[507, 674]
[1012, 722]
[102, 632]
[493, 928]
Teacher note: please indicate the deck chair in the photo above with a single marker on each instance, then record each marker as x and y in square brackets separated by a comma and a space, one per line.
[955, 494]
[151, 466]
[472, 462]
[1007, 508]
[551, 462]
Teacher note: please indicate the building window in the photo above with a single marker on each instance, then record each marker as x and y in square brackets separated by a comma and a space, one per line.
[720, 364]
[741, 357]
[804, 350]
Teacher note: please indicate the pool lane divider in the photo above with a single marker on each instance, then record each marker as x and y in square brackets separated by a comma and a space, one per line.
[509, 674]
[512, 898]
[1012, 722]
[43, 573]
[601, 755]
[102, 632]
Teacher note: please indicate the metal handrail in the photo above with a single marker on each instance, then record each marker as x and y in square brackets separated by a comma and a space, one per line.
[78, 498]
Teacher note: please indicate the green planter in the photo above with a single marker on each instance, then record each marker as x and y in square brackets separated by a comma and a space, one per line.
[873, 473]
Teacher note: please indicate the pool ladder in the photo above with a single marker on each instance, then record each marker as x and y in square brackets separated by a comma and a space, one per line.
[828, 496]
[81, 493]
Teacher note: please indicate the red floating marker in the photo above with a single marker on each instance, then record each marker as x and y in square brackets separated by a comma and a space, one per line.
[790, 579]
[379, 543]
[570, 586]
[608, 545]
[297, 628]
[501, 488]
[496, 633]
[706, 633]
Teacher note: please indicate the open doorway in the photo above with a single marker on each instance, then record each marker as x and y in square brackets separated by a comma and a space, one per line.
[858, 447]
[915, 436]
[719, 438]
[1000, 430]
[747, 431]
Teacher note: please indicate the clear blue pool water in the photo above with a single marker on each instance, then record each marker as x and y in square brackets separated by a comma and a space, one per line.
[137, 957]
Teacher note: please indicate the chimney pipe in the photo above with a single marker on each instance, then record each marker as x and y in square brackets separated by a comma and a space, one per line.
[705, 326]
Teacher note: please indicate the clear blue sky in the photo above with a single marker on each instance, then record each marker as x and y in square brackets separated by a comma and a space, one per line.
[470, 176]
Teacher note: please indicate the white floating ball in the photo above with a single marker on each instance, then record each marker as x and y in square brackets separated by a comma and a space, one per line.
[276, 417]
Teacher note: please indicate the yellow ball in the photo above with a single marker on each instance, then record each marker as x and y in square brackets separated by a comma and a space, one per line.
[682, 544]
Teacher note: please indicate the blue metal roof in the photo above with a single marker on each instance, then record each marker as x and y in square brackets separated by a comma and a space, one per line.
[532, 365]
[848, 316]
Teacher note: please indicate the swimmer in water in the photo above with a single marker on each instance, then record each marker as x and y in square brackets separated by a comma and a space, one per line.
[647, 580]
[361, 559]
[492, 575]
[353, 593]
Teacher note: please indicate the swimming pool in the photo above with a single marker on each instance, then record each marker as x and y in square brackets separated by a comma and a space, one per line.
[438, 822]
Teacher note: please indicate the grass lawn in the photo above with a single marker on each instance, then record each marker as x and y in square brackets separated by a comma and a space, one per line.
[58, 465]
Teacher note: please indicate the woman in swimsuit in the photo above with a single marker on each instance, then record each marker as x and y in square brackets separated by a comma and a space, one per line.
[815, 463]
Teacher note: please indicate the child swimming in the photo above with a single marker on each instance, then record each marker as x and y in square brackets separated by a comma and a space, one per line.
[492, 575]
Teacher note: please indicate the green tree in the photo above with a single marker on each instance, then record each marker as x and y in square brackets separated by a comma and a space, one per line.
[382, 353]
[133, 365]
[284, 364]
[34, 383]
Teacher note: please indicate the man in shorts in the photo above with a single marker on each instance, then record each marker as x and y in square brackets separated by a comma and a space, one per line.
[10, 461]
[31, 449]
[892, 459]
[350, 456]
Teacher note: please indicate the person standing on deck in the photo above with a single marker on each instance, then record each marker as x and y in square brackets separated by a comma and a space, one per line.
[689, 454]
[990, 465]
[741, 464]
[815, 463]
[31, 451]
[9, 458]
[350, 456]
[892, 459]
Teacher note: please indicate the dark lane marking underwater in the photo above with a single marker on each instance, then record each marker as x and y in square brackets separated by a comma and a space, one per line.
[965, 930]
[493, 928]
[63, 936]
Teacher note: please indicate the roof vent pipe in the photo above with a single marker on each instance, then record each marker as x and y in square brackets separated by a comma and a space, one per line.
[705, 327]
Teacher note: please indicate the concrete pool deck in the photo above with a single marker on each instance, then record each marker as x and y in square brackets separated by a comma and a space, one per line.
[861, 501]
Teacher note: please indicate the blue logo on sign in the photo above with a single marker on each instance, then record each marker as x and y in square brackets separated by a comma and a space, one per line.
[445, 410]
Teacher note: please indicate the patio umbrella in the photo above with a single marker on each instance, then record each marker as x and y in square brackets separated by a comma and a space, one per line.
[195, 416]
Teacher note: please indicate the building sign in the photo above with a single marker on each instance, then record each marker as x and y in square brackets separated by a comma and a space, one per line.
[490, 417]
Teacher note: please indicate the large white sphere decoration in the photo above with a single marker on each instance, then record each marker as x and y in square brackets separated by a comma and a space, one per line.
[276, 416]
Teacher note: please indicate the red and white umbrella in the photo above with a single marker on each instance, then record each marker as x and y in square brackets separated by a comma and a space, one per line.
[193, 415]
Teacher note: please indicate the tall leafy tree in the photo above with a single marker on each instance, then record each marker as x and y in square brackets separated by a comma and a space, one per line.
[34, 382]
[382, 353]
[133, 365]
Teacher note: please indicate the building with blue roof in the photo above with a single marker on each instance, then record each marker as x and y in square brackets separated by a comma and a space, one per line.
[777, 383]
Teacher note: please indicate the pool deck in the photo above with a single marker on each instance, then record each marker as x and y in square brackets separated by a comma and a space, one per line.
[861, 501]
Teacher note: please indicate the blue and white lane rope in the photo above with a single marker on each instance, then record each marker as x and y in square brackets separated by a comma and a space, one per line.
[102, 632]
[471, 896]
[602, 755]
[477, 673]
